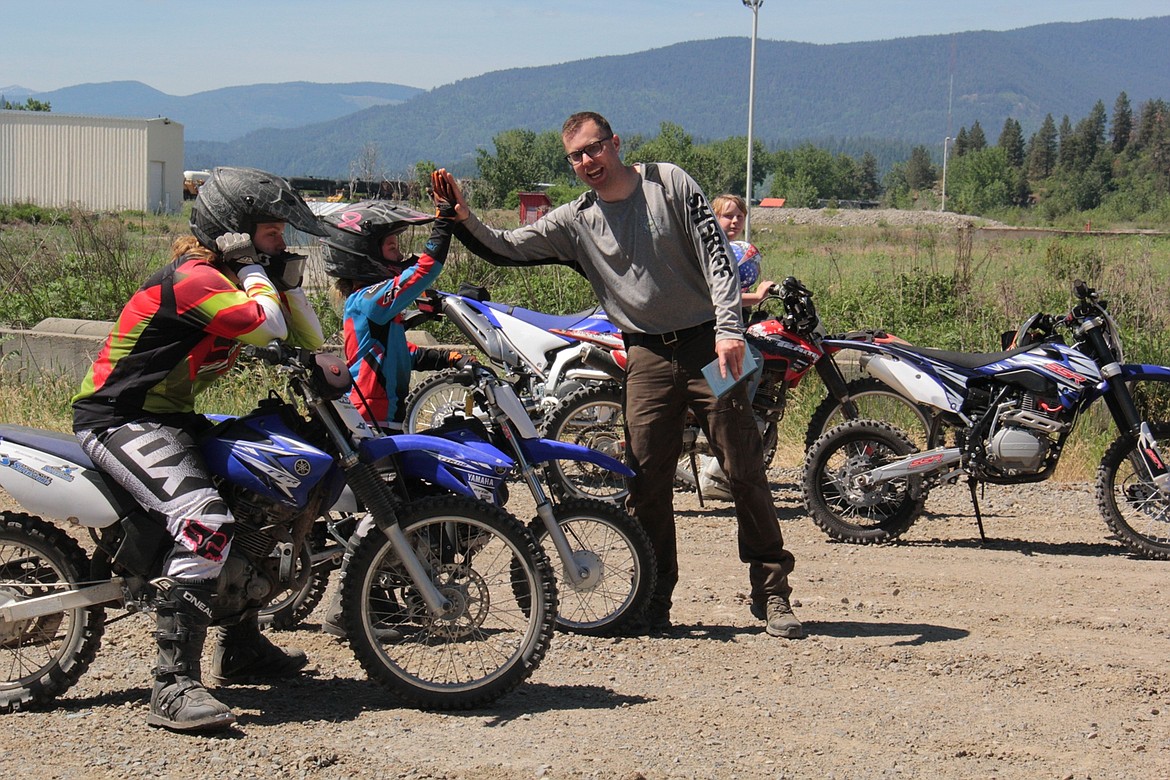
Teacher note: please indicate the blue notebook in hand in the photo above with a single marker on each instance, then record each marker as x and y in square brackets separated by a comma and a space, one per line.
[721, 384]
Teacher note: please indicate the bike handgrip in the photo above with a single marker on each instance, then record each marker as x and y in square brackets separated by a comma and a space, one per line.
[272, 352]
[792, 284]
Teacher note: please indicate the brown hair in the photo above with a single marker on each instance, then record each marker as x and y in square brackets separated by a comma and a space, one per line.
[573, 123]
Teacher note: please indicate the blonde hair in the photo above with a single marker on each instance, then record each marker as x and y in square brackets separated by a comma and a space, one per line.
[721, 202]
[189, 245]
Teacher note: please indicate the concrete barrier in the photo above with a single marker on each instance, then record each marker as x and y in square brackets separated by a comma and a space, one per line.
[53, 347]
[64, 347]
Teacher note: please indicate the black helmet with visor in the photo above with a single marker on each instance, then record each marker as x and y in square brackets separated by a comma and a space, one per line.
[352, 246]
[235, 200]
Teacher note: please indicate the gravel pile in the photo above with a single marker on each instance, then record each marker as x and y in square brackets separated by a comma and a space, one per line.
[865, 217]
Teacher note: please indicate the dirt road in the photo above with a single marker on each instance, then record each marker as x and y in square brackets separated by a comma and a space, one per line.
[1042, 654]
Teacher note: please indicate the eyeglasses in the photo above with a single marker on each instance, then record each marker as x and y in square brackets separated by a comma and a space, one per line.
[592, 150]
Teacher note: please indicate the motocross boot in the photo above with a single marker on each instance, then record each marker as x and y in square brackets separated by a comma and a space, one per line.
[243, 653]
[179, 701]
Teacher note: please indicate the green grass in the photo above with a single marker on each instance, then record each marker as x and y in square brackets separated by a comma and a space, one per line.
[940, 287]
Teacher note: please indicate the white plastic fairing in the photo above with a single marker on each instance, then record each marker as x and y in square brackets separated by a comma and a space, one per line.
[530, 341]
[513, 407]
[352, 418]
[55, 488]
[908, 380]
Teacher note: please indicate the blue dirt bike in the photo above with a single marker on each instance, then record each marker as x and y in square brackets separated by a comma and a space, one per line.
[450, 604]
[1009, 415]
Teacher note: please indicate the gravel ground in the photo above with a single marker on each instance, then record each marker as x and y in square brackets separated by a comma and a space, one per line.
[1038, 655]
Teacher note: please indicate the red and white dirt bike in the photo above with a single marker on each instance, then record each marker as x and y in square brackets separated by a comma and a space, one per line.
[790, 345]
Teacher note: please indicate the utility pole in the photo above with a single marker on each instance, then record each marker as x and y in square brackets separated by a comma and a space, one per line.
[946, 142]
[747, 218]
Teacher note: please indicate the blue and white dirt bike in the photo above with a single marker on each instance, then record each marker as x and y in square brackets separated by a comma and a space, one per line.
[1009, 414]
[450, 605]
[607, 568]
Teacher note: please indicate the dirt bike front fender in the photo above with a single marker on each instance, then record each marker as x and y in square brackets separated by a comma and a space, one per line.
[542, 450]
[1144, 372]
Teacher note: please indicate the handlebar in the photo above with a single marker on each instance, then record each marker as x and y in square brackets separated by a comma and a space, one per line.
[273, 353]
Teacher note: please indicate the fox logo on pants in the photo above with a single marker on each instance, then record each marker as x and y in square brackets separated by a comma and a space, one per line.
[205, 542]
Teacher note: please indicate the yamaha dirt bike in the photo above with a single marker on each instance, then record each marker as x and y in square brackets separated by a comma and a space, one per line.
[1011, 413]
[607, 563]
[539, 357]
[449, 605]
[790, 344]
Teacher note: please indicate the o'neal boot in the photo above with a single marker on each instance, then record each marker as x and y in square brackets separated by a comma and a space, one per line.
[243, 653]
[179, 701]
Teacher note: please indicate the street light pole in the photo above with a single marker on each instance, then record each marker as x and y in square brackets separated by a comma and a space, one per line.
[747, 218]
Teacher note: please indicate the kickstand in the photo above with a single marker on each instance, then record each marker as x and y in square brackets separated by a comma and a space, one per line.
[978, 516]
[695, 472]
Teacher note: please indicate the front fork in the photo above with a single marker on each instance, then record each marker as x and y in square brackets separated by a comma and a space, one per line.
[1125, 413]
[372, 491]
[1152, 458]
[577, 572]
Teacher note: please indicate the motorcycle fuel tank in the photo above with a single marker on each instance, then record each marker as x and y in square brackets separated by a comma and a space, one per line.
[260, 453]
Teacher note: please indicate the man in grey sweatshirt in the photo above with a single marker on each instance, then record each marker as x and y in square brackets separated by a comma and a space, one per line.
[646, 239]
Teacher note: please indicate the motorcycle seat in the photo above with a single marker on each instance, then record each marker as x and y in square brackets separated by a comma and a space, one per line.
[965, 359]
[63, 445]
[540, 319]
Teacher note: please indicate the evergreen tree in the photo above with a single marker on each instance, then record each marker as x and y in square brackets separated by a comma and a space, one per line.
[1011, 140]
[961, 144]
[1152, 120]
[31, 104]
[868, 187]
[920, 173]
[976, 140]
[1067, 153]
[1091, 131]
[1042, 150]
[1122, 123]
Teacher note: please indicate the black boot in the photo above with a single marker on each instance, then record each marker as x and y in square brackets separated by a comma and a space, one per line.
[179, 701]
[243, 653]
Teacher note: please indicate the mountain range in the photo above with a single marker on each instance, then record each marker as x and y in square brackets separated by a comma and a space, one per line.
[222, 114]
[914, 90]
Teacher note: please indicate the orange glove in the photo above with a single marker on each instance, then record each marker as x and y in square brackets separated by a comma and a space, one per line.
[444, 194]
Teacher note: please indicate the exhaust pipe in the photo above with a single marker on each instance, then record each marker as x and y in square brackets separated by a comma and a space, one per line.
[602, 360]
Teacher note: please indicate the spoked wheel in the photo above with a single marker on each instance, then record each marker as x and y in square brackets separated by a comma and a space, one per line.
[435, 400]
[1129, 500]
[289, 608]
[684, 473]
[851, 513]
[593, 418]
[875, 400]
[503, 605]
[614, 553]
[42, 657]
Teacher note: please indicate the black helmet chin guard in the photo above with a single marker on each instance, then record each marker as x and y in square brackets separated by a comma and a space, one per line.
[235, 200]
[352, 246]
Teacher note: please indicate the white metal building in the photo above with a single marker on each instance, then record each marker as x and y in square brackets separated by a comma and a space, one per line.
[98, 163]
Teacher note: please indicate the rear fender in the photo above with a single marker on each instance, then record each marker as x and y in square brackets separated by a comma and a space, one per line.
[56, 487]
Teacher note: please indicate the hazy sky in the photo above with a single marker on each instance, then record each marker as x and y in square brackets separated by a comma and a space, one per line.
[196, 45]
